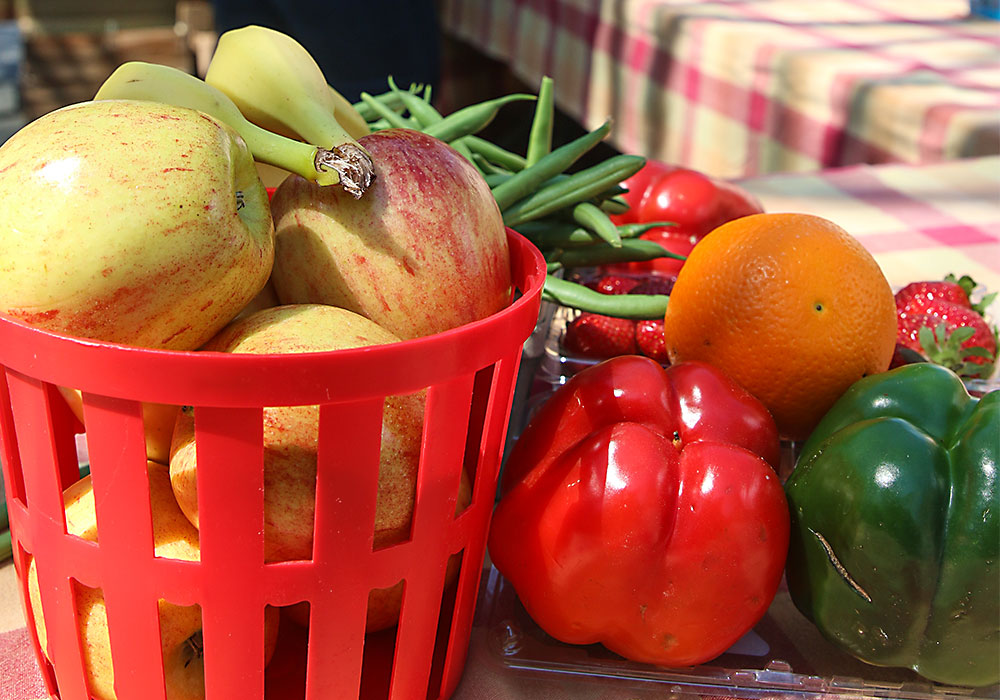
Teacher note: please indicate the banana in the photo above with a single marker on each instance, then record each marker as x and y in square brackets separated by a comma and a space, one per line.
[137, 80]
[277, 84]
[348, 115]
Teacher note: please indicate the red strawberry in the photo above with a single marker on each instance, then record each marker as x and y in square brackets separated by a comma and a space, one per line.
[596, 335]
[655, 284]
[649, 340]
[949, 334]
[614, 284]
[958, 290]
[918, 294]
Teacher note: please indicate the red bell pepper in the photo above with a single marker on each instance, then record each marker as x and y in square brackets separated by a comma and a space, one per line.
[641, 509]
[695, 202]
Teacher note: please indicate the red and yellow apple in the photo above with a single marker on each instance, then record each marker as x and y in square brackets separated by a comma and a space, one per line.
[131, 222]
[180, 626]
[291, 441]
[425, 249]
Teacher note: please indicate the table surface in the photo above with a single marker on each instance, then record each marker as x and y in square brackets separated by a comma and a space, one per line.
[739, 88]
[920, 222]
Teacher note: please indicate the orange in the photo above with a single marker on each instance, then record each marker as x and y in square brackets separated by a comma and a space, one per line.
[791, 306]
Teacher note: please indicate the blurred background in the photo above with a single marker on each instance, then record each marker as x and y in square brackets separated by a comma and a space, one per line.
[57, 52]
[735, 88]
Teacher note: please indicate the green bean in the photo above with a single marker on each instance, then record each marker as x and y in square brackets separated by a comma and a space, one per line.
[576, 296]
[494, 179]
[422, 112]
[463, 149]
[578, 187]
[546, 233]
[388, 99]
[471, 119]
[630, 250]
[499, 178]
[485, 166]
[589, 215]
[615, 205]
[637, 229]
[528, 180]
[495, 154]
[395, 120]
[540, 135]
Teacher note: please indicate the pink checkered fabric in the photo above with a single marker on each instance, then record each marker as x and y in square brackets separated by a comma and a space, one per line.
[919, 222]
[743, 87]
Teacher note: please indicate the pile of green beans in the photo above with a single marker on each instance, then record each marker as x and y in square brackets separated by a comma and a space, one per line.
[565, 214]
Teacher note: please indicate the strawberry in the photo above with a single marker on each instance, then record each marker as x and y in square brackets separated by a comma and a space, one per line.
[655, 284]
[649, 340]
[949, 334]
[596, 335]
[614, 284]
[918, 295]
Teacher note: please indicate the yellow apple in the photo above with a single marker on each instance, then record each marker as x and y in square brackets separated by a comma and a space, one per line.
[291, 437]
[131, 222]
[180, 626]
[158, 422]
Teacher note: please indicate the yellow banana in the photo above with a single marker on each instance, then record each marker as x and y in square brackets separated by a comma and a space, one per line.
[348, 115]
[137, 80]
[277, 84]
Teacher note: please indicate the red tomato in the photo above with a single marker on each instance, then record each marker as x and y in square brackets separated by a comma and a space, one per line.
[637, 185]
[696, 202]
[641, 510]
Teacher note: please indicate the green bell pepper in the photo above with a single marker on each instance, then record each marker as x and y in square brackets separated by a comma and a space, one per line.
[895, 536]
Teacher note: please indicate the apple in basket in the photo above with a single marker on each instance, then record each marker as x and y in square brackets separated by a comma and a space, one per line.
[423, 251]
[180, 626]
[291, 443]
[131, 222]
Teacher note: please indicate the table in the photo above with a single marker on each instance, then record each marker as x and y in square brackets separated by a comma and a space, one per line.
[739, 88]
[920, 222]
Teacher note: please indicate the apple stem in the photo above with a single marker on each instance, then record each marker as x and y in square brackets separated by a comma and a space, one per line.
[351, 163]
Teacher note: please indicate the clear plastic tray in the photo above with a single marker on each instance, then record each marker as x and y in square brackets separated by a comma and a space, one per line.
[784, 656]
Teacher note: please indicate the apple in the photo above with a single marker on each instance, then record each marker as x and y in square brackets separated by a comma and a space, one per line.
[158, 422]
[266, 298]
[131, 222]
[424, 250]
[180, 626]
[291, 440]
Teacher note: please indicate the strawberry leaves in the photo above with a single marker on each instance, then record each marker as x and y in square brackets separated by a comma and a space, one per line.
[939, 320]
[944, 348]
[969, 285]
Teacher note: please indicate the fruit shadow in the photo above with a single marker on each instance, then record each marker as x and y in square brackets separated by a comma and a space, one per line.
[377, 242]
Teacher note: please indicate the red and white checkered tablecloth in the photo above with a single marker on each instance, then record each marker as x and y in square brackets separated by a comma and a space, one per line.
[738, 88]
[920, 222]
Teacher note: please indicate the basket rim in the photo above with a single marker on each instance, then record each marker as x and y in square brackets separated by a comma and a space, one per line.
[226, 379]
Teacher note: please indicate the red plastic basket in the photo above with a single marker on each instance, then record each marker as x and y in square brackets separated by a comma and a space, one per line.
[469, 373]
